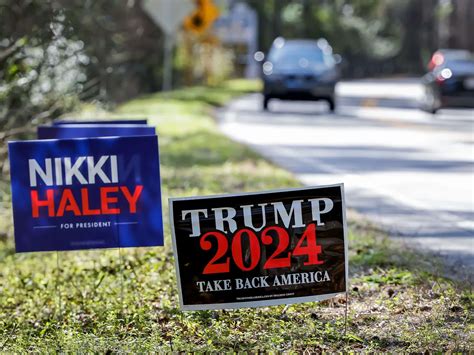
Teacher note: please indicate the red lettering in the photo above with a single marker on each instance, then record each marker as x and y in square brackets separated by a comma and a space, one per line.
[67, 203]
[105, 200]
[254, 247]
[306, 246]
[36, 203]
[109, 198]
[132, 199]
[283, 241]
[311, 249]
[86, 211]
[222, 245]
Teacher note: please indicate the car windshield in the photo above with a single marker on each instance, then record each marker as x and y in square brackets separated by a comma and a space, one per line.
[454, 55]
[460, 65]
[296, 54]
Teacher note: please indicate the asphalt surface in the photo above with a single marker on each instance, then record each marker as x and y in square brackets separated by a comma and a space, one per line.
[410, 172]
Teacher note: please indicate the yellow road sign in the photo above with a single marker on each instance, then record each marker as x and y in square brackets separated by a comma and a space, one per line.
[202, 18]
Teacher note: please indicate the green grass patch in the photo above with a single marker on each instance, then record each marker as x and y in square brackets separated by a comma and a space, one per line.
[95, 302]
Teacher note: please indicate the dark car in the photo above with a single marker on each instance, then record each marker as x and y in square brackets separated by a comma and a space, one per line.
[300, 70]
[450, 81]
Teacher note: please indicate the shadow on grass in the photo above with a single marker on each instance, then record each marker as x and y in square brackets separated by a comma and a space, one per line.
[211, 95]
[203, 148]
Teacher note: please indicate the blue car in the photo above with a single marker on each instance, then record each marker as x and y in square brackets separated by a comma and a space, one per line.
[450, 80]
[300, 70]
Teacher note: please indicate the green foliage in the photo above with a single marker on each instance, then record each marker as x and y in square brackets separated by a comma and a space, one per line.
[374, 37]
[41, 73]
[123, 44]
[40, 68]
[127, 301]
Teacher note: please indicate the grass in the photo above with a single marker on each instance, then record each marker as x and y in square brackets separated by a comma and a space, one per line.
[126, 301]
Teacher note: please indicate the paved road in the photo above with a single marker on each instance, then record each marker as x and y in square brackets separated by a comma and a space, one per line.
[408, 171]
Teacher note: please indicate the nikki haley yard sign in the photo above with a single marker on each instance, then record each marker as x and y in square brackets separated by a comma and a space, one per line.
[86, 193]
[260, 249]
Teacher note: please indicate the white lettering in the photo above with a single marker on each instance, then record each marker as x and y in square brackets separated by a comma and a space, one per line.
[229, 218]
[73, 170]
[35, 168]
[114, 168]
[301, 278]
[96, 169]
[196, 227]
[247, 210]
[64, 170]
[286, 216]
[239, 284]
[58, 168]
[201, 285]
[315, 208]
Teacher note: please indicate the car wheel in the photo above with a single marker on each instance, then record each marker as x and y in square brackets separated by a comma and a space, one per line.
[332, 105]
[431, 110]
[266, 99]
[429, 103]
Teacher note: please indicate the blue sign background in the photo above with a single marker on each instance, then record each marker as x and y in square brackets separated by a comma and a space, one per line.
[93, 130]
[82, 122]
[138, 164]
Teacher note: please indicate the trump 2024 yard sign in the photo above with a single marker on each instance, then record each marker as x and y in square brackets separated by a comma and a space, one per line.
[260, 249]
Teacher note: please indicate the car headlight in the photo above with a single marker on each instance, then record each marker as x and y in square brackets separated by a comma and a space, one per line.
[267, 68]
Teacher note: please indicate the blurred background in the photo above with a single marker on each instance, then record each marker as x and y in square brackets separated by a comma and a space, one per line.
[375, 62]
[56, 52]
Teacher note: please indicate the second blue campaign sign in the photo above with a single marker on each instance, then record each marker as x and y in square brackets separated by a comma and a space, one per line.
[122, 121]
[94, 130]
[86, 193]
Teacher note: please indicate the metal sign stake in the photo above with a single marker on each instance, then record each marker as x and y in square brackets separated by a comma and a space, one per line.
[121, 267]
[345, 313]
[122, 277]
[58, 290]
